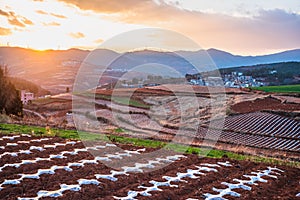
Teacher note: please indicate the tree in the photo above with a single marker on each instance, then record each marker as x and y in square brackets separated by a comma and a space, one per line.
[10, 101]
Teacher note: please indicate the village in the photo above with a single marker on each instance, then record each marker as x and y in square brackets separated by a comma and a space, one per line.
[231, 80]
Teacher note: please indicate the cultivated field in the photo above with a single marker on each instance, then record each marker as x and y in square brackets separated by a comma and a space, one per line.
[254, 136]
[248, 124]
[50, 167]
[280, 89]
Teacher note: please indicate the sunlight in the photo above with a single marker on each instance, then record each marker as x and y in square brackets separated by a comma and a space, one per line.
[54, 22]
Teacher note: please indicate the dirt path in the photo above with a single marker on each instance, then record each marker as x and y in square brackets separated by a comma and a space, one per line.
[35, 113]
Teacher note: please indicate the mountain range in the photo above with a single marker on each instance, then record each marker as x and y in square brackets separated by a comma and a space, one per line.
[15, 56]
[49, 66]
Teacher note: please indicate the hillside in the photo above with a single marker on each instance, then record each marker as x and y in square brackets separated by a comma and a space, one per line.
[22, 84]
[276, 73]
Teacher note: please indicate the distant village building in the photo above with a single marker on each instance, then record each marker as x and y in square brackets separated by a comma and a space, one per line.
[26, 97]
[195, 79]
[214, 81]
[238, 80]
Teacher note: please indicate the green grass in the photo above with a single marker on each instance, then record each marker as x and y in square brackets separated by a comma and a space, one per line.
[41, 131]
[280, 89]
[119, 130]
[73, 134]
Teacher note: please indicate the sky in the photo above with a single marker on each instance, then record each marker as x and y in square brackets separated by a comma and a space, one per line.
[242, 27]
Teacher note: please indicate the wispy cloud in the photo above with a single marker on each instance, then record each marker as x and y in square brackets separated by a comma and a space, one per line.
[15, 19]
[5, 31]
[268, 29]
[52, 14]
[51, 24]
[16, 22]
[58, 16]
[110, 6]
[41, 12]
[77, 35]
[4, 13]
[27, 21]
[98, 41]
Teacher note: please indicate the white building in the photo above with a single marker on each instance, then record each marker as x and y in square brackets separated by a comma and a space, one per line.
[26, 97]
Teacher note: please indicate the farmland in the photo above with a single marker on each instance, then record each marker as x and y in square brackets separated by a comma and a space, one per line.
[252, 128]
[33, 168]
[254, 122]
[280, 89]
[157, 143]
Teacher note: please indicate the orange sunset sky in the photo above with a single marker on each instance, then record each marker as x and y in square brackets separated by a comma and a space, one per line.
[245, 27]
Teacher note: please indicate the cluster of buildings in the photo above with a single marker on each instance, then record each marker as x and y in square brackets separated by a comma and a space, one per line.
[232, 80]
[238, 80]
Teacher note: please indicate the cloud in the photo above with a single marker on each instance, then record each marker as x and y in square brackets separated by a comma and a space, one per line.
[5, 31]
[52, 14]
[58, 16]
[110, 6]
[98, 41]
[277, 16]
[269, 29]
[2, 12]
[27, 21]
[77, 35]
[51, 24]
[41, 12]
[16, 20]
[19, 21]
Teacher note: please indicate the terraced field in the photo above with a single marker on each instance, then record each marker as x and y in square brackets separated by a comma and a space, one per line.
[263, 130]
[54, 168]
[256, 130]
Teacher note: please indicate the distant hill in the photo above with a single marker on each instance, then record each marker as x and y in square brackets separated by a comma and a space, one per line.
[130, 60]
[18, 58]
[28, 61]
[224, 59]
[21, 84]
[283, 73]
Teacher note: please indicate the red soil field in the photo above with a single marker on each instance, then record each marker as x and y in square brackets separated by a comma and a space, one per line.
[268, 103]
[182, 177]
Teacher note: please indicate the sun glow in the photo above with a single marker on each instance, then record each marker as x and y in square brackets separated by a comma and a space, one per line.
[56, 24]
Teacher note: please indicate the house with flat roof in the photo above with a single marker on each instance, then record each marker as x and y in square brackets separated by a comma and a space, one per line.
[26, 97]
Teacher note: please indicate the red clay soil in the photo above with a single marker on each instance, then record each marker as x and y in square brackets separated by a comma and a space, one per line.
[285, 187]
[267, 103]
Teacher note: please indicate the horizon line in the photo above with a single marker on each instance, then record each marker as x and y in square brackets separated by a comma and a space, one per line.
[144, 49]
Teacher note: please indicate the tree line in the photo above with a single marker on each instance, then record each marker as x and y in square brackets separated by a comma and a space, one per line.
[10, 101]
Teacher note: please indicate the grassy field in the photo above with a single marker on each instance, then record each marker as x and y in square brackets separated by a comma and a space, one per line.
[280, 89]
[73, 134]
